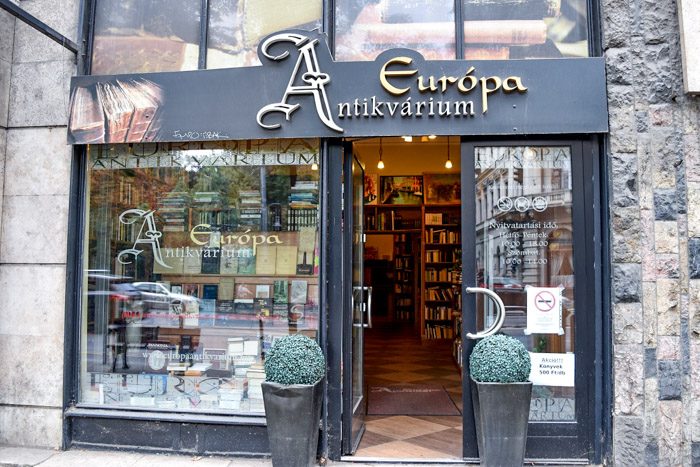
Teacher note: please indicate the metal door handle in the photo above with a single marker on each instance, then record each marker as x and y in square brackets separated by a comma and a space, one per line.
[500, 313]
[369, 307]
[359, 293]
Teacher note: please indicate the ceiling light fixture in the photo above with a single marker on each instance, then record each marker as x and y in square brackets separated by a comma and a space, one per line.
[380, 164]
[407, 139]
[448, 162]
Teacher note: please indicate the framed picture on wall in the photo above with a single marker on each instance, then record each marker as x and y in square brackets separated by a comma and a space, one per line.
[442, 188]
[371, 188]
[401, 189]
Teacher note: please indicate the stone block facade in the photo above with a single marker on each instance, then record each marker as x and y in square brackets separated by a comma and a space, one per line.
[35, 167]
[654, 185]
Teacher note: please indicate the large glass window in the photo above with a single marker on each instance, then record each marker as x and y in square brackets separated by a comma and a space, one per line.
[237, 26]
[492, 29]
[136, 36]
[197, 257]
[524, 239]
[503, 29]
[365, 28]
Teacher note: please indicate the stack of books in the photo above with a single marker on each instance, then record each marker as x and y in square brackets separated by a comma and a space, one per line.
[231, 393]
[172, 208]
[303, 205]
[256, 375]
[251, 208]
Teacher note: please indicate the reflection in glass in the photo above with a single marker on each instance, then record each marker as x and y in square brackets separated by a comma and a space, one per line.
[197, 258]
[133, 36]
[503, 29]
[365, 28]
[237, 26]
[524, 238]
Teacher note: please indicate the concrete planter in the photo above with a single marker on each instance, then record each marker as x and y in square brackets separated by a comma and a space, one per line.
[501, 413]
[293, 413]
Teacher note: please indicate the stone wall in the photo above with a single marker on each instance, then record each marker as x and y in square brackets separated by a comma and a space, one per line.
[35, 161]
[654, 156]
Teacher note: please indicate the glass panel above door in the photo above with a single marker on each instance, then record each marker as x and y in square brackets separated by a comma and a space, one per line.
[364, 29]
[524, 253]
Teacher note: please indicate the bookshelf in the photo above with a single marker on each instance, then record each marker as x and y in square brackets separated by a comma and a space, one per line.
[405, 278]
[404, 223]
[441, 273]
[392, 218]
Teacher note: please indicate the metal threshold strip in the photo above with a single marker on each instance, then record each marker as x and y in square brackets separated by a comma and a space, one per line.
[448, 461]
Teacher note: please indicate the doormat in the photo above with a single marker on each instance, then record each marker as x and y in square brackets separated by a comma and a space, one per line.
[410, 399]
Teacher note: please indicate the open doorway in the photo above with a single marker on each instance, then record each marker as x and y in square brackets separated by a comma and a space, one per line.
[412, 262]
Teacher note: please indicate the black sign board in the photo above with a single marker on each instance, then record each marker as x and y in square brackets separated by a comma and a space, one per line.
[299, 91]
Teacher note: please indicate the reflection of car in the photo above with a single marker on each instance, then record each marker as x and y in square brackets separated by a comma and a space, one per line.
[157, 297]
[506, 283]
[121, 300]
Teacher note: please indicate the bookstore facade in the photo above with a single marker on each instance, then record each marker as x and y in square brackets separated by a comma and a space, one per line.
[267, 179]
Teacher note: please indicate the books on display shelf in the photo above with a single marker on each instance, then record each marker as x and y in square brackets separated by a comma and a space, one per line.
[172, 209]
[228, 265]
[438, 313]
[246, 261]
[441, 275]
[439, 293]
[210, 260]
[250, 208]
[443, 236]
[206, 197]
[298, 291]
[265, 259]
[438, 331]
[299, 217]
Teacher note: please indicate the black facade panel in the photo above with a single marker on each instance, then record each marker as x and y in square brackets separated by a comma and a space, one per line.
[169, 436]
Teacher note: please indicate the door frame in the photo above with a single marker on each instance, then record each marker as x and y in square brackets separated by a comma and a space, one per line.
[589, 189]
[551, 440]
[352, 434]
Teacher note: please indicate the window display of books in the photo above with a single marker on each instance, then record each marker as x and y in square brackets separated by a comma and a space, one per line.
[303, 205]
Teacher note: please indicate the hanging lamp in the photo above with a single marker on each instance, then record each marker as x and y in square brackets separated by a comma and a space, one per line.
[380, 164]
[448, 162]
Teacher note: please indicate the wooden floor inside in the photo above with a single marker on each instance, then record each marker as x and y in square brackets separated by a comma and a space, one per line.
[395, 354]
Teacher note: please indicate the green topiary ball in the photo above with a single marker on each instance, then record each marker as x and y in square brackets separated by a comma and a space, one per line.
[295, 359]
[499, 359]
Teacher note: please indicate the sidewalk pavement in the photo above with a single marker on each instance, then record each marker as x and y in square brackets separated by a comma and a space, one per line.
[30, 457]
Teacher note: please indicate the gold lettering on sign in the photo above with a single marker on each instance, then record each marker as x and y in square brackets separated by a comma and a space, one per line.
[384, 74]
[430, 84]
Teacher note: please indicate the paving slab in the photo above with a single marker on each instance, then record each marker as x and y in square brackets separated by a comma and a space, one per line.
[11, 456]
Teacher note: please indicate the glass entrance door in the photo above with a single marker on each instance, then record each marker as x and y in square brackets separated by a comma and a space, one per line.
[527, 240]
[358, 305]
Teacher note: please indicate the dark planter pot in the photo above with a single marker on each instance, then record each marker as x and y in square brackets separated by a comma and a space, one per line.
[501, 413]
[293, 413]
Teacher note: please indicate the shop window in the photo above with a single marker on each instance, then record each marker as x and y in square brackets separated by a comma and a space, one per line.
[197, 258]
[514, 29]
[133, 36]
[237, 26]
[365, 28]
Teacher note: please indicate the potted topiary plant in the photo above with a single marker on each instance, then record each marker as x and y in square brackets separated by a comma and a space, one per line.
[500, 367]
[292, 393]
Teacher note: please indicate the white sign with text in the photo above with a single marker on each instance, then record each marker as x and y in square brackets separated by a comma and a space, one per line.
[552, 369]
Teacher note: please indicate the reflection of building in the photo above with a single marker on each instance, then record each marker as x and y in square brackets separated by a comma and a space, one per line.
[524, 223]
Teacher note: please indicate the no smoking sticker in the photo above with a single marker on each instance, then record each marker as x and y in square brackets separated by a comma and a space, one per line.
[544, 310]
[545, 301]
